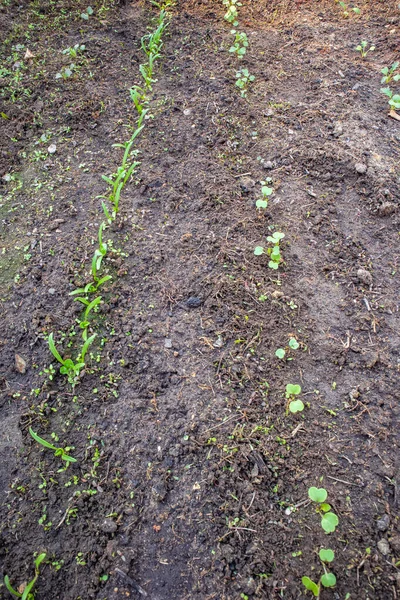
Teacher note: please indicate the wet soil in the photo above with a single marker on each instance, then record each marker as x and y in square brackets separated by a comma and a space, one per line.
[191, 477]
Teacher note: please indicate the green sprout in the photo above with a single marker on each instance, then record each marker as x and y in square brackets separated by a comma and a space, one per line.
[74, 50]
[88, 12]
[363, 50]
[394, 99]
[388, 73]
[329, 521]
[232, 11]
[266, 192]
[27, 594]
[328, 579]
[346, 9]
[293, 345]
[62, 452]
[66, 73]
[293, 390]
[84, 323]
[243, 78]
[68, 367]
[240, 43]
[274, 253]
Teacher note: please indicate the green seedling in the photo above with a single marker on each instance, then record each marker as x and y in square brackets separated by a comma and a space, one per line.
[231, 14]
[68, 367]
[274, 253]
[88, 13]
[363, 49]
[347, 10]
[266, 192]
[388, 73]
[74, 50]
[240, 44]
[84, 323]
[61, 452]
[329, 521]
[280, 353]
[293, 345]
[326, 555]
[138, 98]
[66, 73]
[243, 78]
[394, 99]
[293, 390]
[27, 594]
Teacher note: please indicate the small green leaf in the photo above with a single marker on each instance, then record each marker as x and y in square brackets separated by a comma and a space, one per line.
[310, 585]
[280, 353]
[326, 555]
[292, 390]
[328, 580]
[325, 507]
[89, 10]
[266, 191]
[293, 343]
[258, 250]
[273, 265]
[261, 203]
[84, 16]
[329, 522]
[296, 406]
[317, 494]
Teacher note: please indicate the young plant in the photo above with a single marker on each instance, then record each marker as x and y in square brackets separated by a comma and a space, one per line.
[293, 345]
[88, 12]
[231, 14]
[327, 580]
[293, 390]
[266, 192]
[274, 253]
[27, 593]
[346, 9]
[66, 73]
[243, 78]
[363, 49]
[74, 50]
[394, 99]
[329, 521]
[61, 452]
[68, 367]
[84, 323]
[240, 44]
[388, 73]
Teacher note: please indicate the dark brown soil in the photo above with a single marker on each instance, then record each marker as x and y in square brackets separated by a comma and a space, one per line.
[193, 478]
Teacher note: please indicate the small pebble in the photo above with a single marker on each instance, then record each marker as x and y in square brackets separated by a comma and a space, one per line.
[361, 168]
[52, 149]
[383, 547]
[52, 291]
[108, 526]
[168, 343]
[383, 523]
[268, 165]
[193, 302]
[364, 276]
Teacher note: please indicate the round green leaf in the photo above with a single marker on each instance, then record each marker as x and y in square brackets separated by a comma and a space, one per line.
[310, 585]
[293, 389]
[317, 494]
[296, 406]
[325, 507]
[326, 555]
[266, 191]
[258, 250]
[273, 265]
[261, 203]
[280, 353]
[329, 522]
[328, 580]
[293, 343]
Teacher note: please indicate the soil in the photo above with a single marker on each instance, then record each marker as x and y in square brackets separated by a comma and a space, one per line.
[192, 474]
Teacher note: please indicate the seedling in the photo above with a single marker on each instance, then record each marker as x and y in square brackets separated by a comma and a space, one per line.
[394, 99]
[62, 452]
[388, 73]
[66, 73]
[88, 12]
[346, 9]
[363, 49]
[266, 192]
[232, 12]
[329, 521]
[84, 324]
[240, 43]
[293, 390]
[74, 50]
[293, 345]
[68, 367]
[243, 78]
[27, 594]
[274, 253]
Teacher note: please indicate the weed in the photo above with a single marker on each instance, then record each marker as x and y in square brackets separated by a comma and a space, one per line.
[363, 50]
[329, 521]
[88, 12]
[27, 593]
[62, 452]
[394, 99]
[240, 43]
[73, 51]
[243, 78]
